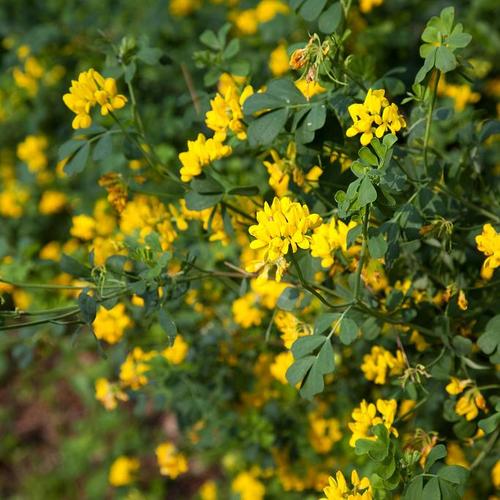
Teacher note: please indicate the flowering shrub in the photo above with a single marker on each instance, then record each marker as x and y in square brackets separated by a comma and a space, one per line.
[253, 254]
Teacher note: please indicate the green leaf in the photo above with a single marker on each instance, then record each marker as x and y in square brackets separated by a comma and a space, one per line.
[297, 371]
[459, 40]
[311, 9]
[306, 345]
[324, 322]
[77, 163]
[429, 62]
[437, 453]
[103, 147]
[167, 323]
[316, 118]
[348, 331]
[330, 19]
[447, 16]
[377, 246]
[431, 490]
[368, 157]
[414, 491]
[262, 101]
[367, 193]
[445, 59]
[326, 358]
[197, 201]
[287, 91]
[489, 341]
[244, 191]
[209, 38]
[150, 55]
[72, 266]
[206, 184]
[313, 382]
[88, 307]
[263, 130]
[453, 474]
[490, 423]
[353, 234]
[233, 47]
[68, 148]
[288, 298]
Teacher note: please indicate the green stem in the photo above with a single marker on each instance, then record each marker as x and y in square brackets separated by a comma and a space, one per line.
[485, 450]
[357, 282]
[429, 121]
[17, 326]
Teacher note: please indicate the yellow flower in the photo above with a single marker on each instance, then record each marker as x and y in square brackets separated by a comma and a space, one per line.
[109, 325]
[495, 475]
[309, 89]
[365, 417]
[200, 153]
[208, 490]
[419, 341]
[290, 327]
[248, 487]
[329, 237]
[282, 226]
[268, 9]
[245, 313]
[32, 152]
[177, 353]
[381, 362]
[122, 471]
[183, 8]
[374, 117]
[52, 202]
[462, 301]
[461, 94]
[278, 60]
[92, 89]
[457, 386]
[367, 5]
[13, 199]
[488, 242]
[469, 404]
[226, 111]
[337, 489]
[51, 251]
[83, 227]
[134, 368]
[456, 456]
[108, 394]
[323, 432]
[171, 462]
[281, 363]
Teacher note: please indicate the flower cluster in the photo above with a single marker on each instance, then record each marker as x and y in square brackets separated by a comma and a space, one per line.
[368, 415]
[201, 153]
[488, 242]
[110, 324]
[329, 237]
[282, 226]
[122, 471]
[374, 117]
[226, 111]
[471, 402]
[92, 89]
[172, 463]
[380, 363]
[338, 488]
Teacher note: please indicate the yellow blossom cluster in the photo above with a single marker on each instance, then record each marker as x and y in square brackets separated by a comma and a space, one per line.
[360, 489]
[282, 170]
[375, 117]
[488, 242]
[201, 153]
[367, 5]
[109, 325]
[282, 226]
[247, 21]
[109, 394]
[329, 237]
[248, 486]
[280, 365]
[461, 94]
[380, 363]
[92, 89]
[172, 463]
[32, 152]
[290, 327]
[122, 471]
[52, 202]
[278, 60]
[323, 432]
[471, 402]
[226, 111]
[368, 415]
[182, 8]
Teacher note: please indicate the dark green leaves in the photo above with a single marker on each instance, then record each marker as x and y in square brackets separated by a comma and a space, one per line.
[88, 307]
[78, 161]
[489, 341]
[311, 9]
[167, 323]
[330, 18]
[264, 129]
[205, 193]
